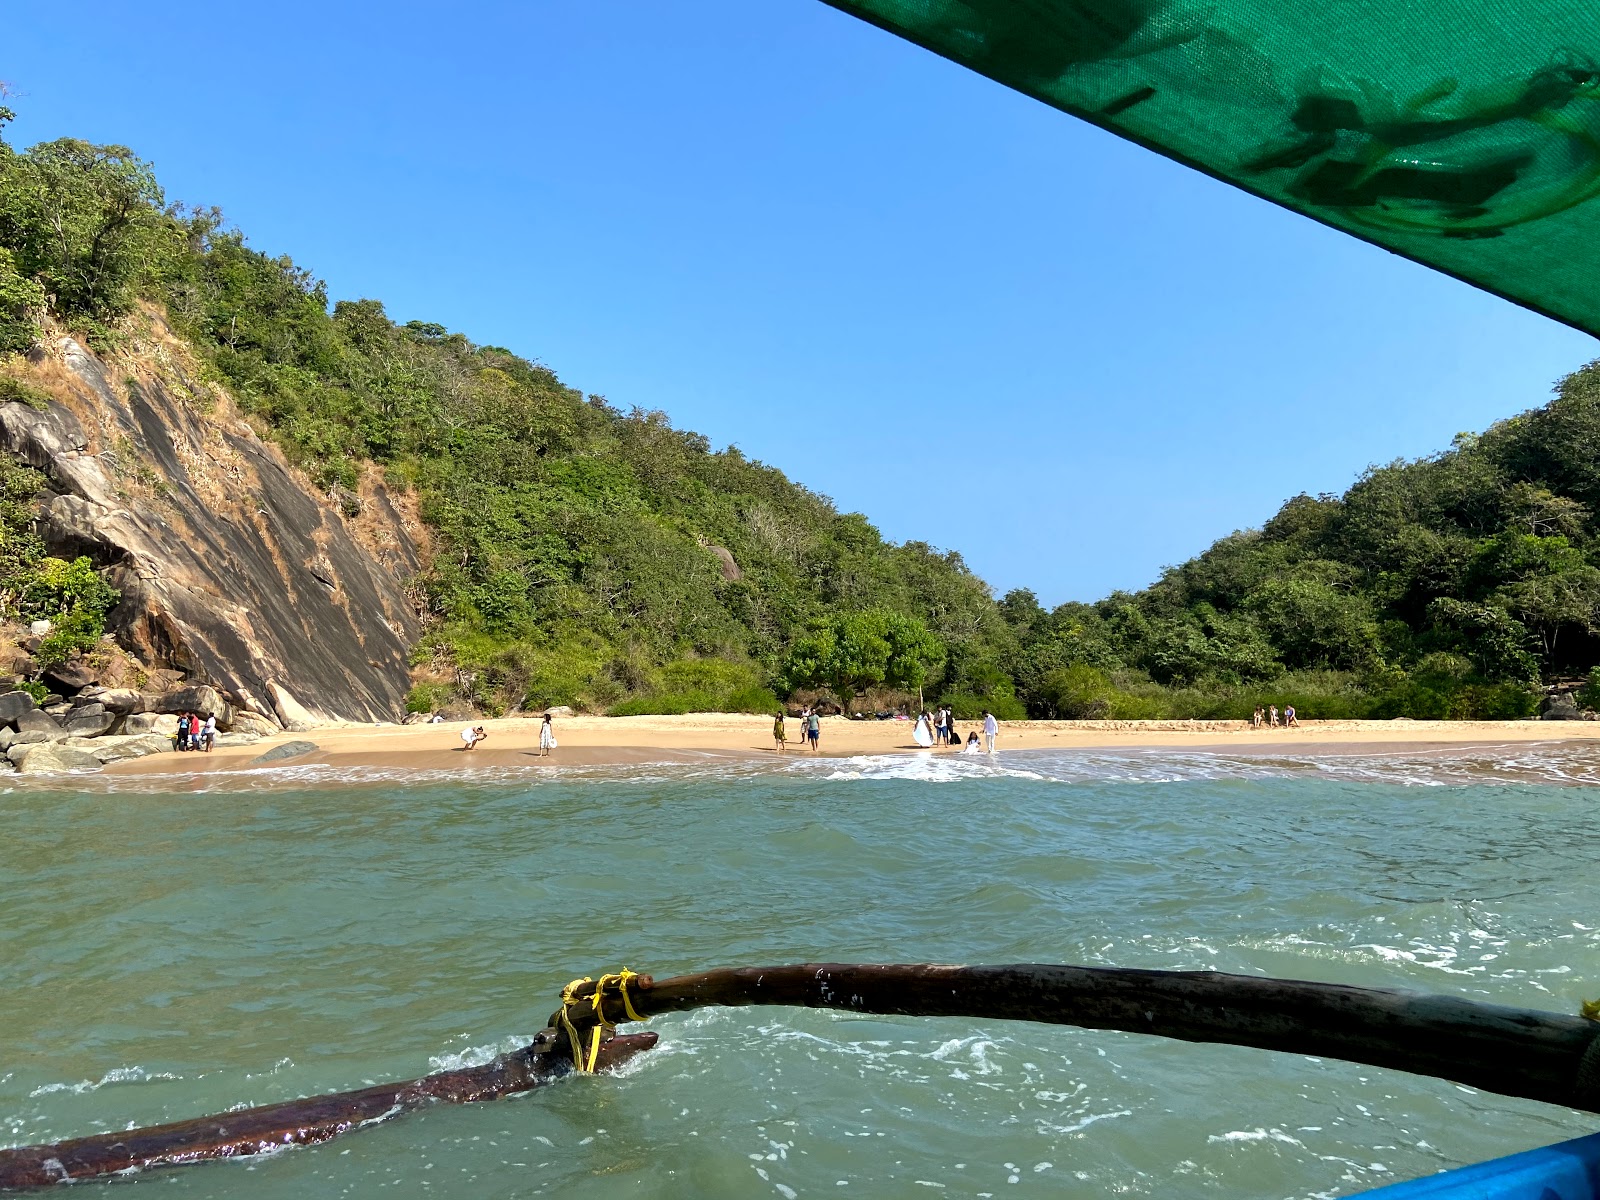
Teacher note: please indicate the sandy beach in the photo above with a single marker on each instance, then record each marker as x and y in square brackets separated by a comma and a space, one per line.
[597, 741]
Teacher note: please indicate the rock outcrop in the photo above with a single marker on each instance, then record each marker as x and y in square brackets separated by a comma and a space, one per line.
[236, 577]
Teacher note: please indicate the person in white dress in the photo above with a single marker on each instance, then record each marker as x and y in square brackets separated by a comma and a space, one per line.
[471, 736]
[924, 731]
[547, 736]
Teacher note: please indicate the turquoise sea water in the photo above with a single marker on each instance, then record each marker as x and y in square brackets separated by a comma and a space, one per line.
[172, 946]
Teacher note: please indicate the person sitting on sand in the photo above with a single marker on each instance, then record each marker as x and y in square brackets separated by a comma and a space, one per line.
[471, 736]
[1288, 716]
[1257, 717]
[1272, 715]
[779, 737]
[973, 746]
[547, 736]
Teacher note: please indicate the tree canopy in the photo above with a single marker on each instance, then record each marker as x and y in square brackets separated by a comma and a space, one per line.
[595, 555]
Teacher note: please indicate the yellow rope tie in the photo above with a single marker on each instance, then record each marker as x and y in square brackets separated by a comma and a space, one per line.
[581, 1061]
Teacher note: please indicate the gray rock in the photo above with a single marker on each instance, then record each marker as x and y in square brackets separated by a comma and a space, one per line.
[116, 749]
[560, 710]
[117, 700]
[6, 738]
[142, 722]
[89, 720]
[59, 709]
[239, 739]
[200, 698]
[14, 704]
[254, 723]
[288, 750]
[71, 676]
[1561, 707]
[56, 759]
[41, 723]
[38, 629]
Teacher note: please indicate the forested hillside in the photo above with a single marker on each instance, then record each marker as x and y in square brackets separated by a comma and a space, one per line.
[587, 554]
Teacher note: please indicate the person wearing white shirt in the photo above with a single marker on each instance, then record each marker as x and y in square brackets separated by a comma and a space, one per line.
[991, 730]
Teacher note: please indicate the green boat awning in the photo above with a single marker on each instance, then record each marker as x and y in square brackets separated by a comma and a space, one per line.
[1464, 134]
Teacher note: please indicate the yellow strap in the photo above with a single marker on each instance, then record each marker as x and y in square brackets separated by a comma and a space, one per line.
[586, 1062]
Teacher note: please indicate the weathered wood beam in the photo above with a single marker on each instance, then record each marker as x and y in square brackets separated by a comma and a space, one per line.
[1517, 1052]
[299, 1122]
[1543, 1056]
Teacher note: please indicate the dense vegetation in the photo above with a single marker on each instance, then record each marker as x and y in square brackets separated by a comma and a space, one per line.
[589, 555]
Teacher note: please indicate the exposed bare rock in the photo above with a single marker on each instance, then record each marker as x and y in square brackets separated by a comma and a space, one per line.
[38, 726]
[117, 700]
[116, 749]
[202, 699]
[73, 675]
[14, 704]
[137, 723]
[89, 720]
[730, 568]
[233, 571]
[248, 722]
[293, 715]
[52, 759]
[286, 750]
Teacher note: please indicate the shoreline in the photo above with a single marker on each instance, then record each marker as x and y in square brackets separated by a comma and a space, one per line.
[699, 737]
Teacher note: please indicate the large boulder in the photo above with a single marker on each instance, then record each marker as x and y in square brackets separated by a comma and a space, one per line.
[14, 704]
[249, 722]
[1561, 707]
[38, 726]
[71, 676]
[117, 700]
[198, 698]
[89, 720]
[116, 749]
[285, 751]
[41, 759]
[166, 724]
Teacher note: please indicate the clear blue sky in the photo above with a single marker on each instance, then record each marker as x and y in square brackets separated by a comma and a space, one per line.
[963, 314]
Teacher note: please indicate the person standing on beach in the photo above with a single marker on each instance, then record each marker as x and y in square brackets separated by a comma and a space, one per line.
[991, 730]
[939, 730]
[547, 737]
[813, 728]
[779, 737]
[208, 732]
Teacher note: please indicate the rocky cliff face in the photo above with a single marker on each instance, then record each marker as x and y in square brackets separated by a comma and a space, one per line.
[232, 569]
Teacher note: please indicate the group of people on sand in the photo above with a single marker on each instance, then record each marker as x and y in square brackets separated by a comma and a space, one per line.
[195, 734]
[939, 729]
[473, 735]
[1269, 717]
[810, 729]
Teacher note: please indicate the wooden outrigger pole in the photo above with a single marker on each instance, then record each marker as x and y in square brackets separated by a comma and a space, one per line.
[1543, 1056]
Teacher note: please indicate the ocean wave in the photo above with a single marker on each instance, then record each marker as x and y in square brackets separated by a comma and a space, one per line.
[1568, 764]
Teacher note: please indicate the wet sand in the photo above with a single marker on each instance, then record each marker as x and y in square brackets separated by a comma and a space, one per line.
[697, 737]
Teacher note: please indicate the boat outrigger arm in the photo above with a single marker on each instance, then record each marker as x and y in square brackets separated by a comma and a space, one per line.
[1543, 1056]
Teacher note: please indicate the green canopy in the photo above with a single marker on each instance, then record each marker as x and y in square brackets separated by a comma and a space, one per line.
[1464, 134]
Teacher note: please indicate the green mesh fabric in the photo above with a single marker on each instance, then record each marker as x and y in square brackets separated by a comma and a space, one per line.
[1464, 134]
